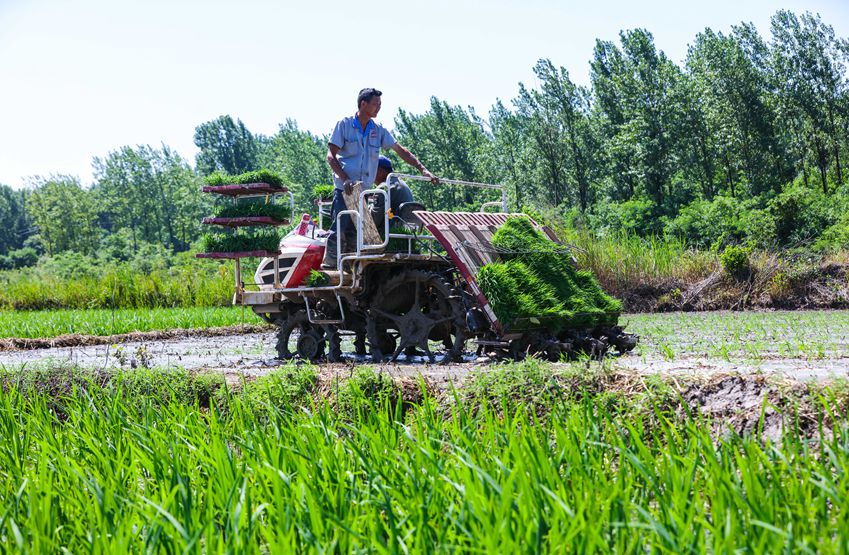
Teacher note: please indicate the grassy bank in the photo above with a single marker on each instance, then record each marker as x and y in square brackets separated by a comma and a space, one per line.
[175, 462]
[665, 274]
[620, 261]
[51, 323]
[192, 284]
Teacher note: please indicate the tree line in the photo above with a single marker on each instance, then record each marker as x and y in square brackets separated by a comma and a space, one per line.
[747, 141]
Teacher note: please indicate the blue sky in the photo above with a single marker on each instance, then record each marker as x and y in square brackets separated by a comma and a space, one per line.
[81, 78]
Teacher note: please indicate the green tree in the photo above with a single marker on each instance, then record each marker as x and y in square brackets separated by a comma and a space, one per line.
[225, 146]
[151, 192]
[733, 98]
[635, 88]
[810, 76]
[558, 121]
[299, 157]
[511, 152]
[14, 220]
[65, 214]
[696, 143]
[452, 143]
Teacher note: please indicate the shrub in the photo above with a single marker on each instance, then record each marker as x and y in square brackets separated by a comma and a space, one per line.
[23, 258]
[735, 260]
[834, 238]
[34, 241]
[704, 222]
[801, 214]
[640, 216]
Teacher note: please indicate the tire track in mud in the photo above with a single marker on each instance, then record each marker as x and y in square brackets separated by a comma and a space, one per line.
[79, 340]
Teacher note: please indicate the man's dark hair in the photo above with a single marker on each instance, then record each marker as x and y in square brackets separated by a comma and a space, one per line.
[366, 95]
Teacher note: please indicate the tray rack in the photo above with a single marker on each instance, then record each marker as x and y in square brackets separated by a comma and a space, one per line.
[237, 192]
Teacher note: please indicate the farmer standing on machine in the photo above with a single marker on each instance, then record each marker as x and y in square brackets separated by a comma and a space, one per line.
[352, 152]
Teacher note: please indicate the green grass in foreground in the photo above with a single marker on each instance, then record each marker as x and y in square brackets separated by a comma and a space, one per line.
[138, 464]
[50, 323]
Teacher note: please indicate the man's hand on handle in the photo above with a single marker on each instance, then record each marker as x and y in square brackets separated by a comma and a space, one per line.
[408, 157]
[433, 178]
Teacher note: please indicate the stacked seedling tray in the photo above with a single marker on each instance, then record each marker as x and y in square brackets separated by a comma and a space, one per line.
[243, 211]
[533, 283]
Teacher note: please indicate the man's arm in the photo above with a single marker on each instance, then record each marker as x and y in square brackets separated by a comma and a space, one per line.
[335, 166]
[408, 157]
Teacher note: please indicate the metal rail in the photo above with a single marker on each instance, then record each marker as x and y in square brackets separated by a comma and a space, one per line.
[441, 181]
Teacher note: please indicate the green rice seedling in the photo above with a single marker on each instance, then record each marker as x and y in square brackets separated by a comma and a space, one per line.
[745, 335]
[316, 279]
[248, 209]
[668, 352]
[323, 192]
[534, 280]
[260, 176]
[242, 241]
[401, 244]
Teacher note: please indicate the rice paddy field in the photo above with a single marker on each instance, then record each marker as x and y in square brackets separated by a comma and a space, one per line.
[743, 336]
[519, 457]
[52, 323]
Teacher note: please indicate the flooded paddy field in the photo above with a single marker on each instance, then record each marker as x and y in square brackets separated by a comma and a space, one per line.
[801, 345]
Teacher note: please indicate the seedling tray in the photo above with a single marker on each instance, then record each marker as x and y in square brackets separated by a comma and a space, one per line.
[248, 189]
[244, 221]
[236, 255]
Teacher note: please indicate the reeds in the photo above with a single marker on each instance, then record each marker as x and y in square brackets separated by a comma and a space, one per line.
[623, 260]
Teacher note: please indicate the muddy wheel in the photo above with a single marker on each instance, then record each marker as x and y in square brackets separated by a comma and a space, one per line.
[624, 342]
[334, 343]
[360, 344]
[419, 307]
[538, 345]
[298, 337]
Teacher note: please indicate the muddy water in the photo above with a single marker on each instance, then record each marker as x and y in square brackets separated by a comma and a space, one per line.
[678, 345]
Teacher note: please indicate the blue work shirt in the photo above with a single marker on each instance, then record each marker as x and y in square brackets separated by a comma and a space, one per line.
[359, 149]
